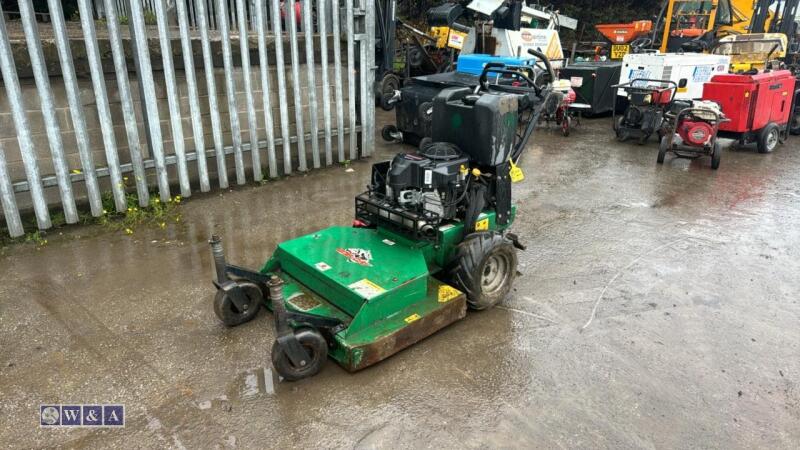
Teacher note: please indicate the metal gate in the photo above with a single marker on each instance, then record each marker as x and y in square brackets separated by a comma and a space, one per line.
[295, 93]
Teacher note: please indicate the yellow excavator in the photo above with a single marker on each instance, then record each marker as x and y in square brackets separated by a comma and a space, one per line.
[696, 25]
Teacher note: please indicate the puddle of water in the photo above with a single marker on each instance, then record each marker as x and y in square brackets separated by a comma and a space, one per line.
[252, 384]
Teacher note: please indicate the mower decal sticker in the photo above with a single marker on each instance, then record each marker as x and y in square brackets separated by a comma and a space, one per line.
[412, 318]
[482, 225]
[322, 266]
[359, 256]
[447, 293]
[366, 288]
[388, 242]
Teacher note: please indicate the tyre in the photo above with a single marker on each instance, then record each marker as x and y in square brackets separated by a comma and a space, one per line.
[715, 157]
[424, 142]
[622, 133]
[389, 84]
[387, 131]
[794, 121]
[643, 139]
[313, 342]
[768, 138]
[662, 149]
[566, 125]
[485, 269]
[227, 311]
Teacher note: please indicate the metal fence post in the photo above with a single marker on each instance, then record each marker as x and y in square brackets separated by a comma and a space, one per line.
[175, 118]
[337, 78]
[149, 100]
[230, 90]
[266, 92]
[291, 18]
[312, 82]
[10, 211]
[75, 107]
[194, 101]
[126, 100]
[351, 76]
[252, 120]
[211, 86]
[48, 109]
[282, 103]
[326, 94]
[101, 100]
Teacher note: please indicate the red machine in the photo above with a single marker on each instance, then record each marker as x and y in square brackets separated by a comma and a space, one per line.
[758, 106]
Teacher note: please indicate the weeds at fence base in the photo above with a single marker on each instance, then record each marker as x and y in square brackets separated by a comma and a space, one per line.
[156, 214]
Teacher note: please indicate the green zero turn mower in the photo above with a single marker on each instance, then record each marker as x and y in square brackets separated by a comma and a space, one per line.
[430, 237]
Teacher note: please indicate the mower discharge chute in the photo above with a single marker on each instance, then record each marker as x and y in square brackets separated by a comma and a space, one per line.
[430, 238]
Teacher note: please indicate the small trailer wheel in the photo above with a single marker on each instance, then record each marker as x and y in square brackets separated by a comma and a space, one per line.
[715, 157]
[227, 311]
[485, 269]
[662, 149]
[314, 343]
[768, 138]
[387, 131]
[622, 133]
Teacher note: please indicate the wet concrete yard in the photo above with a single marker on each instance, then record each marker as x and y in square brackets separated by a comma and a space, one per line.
[693, 275]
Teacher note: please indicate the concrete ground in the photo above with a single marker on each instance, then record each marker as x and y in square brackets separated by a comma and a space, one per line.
[694, 275]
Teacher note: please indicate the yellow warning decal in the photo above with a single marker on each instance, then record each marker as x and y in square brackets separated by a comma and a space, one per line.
[516, 173]
[412, 318]
[447, 293]
[482, 225]
[366, 288]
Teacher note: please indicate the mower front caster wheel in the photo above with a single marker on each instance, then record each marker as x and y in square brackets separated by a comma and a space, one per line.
[316, 347]
[485, 269]
[226, 309]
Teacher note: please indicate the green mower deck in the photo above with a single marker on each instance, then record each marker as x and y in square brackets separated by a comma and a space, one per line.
[377, 284]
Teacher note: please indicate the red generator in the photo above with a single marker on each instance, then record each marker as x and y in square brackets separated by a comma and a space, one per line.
[758, 106]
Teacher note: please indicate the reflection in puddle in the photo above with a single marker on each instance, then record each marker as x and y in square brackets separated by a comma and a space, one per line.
[252, 384]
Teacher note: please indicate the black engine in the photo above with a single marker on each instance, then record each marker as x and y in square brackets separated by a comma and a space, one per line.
[431, 180]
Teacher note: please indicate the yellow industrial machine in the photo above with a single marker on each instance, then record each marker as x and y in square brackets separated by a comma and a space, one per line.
[688, 20]
[757, 51]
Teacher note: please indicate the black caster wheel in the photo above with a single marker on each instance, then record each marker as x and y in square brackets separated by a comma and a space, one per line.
[316, 347]
[227, 311]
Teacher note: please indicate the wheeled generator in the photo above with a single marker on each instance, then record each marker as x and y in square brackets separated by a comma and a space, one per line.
[758, 106]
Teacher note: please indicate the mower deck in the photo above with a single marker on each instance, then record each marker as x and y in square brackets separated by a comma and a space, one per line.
[379, 288]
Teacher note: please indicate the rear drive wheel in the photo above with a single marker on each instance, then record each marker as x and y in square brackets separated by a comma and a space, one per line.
[768, 138]
[485, 269]
[316, 347]
[227, 311]
[715, 157]
[662, 149]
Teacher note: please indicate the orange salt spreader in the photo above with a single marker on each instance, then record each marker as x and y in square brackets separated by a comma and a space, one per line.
[622, 35]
